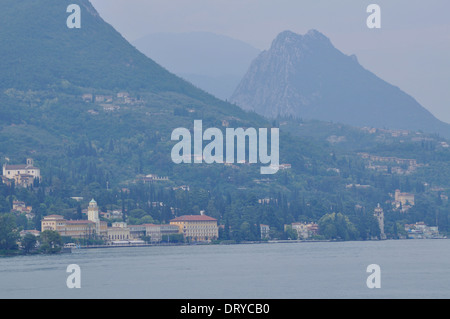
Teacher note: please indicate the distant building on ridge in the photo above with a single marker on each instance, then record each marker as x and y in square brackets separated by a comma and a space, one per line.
[23, 174]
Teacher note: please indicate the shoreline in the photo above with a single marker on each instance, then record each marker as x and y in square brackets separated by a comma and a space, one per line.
[68, 250]
[202, 244]
[240, 243]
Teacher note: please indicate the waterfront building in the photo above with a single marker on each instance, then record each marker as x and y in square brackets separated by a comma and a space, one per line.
[78, 229]
[265, 231]
[136, 231]
[420, 230]
[156, 232]
[52, 222]
[70, 228]
[197, 227]
[91, 228]
[304, 230]
[118, 231]
[93, 216]
[301, 229]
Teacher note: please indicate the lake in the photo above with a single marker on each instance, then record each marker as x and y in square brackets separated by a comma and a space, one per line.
[409, 269]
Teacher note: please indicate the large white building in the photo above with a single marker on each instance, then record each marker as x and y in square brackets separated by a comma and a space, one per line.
[23, 174]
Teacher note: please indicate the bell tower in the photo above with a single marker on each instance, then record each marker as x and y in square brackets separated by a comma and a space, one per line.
[93, 211]
[93, 215]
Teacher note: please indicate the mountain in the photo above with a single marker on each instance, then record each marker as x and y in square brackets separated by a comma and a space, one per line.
[39, 51]
[305, 76]
[46, 69]
[213, 62]
[60, 105]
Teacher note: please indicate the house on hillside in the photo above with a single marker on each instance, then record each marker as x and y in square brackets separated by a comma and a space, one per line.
[23, 175]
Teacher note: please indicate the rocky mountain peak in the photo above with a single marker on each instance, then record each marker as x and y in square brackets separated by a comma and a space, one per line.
[305, 76]
[313, 39]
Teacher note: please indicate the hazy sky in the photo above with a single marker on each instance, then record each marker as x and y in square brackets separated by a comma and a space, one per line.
[411, 50]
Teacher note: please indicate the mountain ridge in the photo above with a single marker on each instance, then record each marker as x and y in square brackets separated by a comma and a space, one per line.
[213, 62]
[63, 55]
[305, 76]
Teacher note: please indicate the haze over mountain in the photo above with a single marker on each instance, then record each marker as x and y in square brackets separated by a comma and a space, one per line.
[214, 63]
[305, 76]
[39, 51]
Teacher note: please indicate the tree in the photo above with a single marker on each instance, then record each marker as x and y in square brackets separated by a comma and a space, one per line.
[79, 212]
[291, 233]
[8, 232]
[173, 238]
[28, 243]
[367, 225]
[51, 242]
[337, 226]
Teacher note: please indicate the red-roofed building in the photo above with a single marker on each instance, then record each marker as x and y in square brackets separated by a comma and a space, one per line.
[193, 218]
[197, 227]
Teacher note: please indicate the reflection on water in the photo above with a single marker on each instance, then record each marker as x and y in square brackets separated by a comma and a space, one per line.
[409, 269]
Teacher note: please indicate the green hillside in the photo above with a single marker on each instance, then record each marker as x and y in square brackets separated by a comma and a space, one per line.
[99, 147]
[39, 51]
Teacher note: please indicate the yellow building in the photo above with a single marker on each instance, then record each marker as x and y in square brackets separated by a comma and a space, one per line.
[52, 222]
[197, 227]
[70, 228]
[403, 201]
[404, 198]
[78, 229]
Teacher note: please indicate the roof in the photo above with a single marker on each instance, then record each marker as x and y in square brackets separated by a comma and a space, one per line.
[79, 222]
[192, 218]
[53, 217]
[17, 167]
[13, 167]
[30, 231]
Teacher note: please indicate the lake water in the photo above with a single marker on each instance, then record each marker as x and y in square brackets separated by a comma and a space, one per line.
[409, 269]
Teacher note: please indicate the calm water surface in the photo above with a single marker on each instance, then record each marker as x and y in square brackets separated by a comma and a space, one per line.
[409, 269]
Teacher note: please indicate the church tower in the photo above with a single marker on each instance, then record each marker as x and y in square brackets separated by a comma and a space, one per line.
[30, 162]
[93, 211]
[379, 214]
